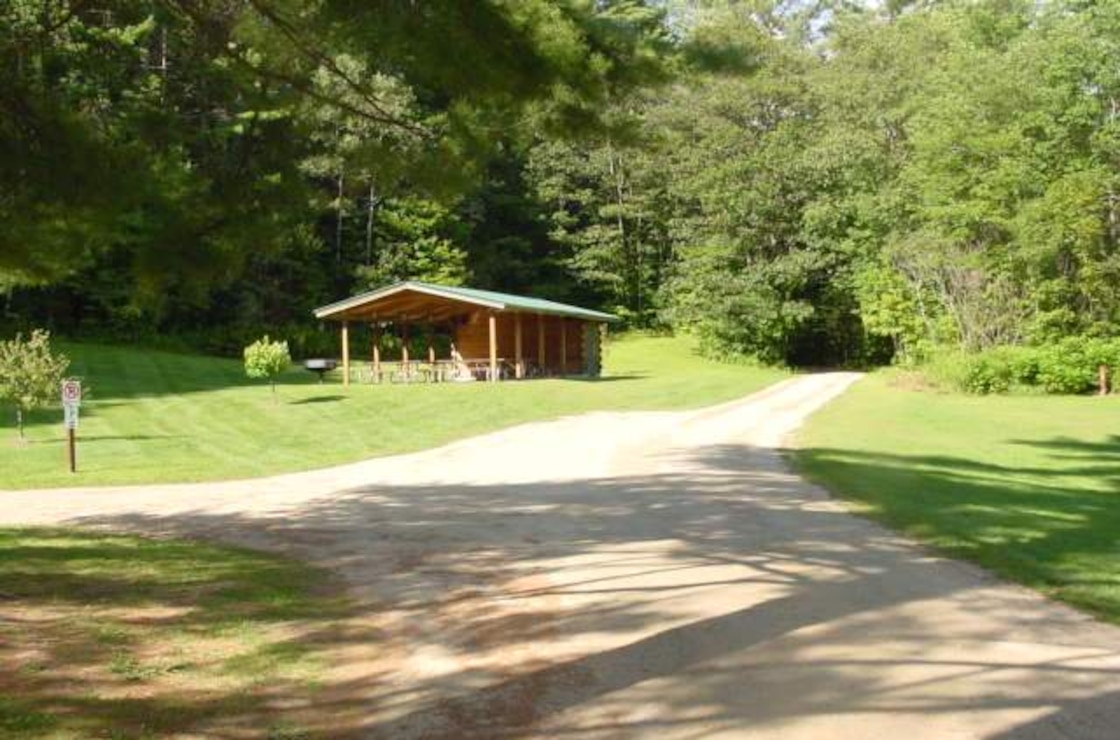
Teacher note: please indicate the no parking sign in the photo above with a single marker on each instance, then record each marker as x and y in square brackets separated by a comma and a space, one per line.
[71, 401]
[71, 392]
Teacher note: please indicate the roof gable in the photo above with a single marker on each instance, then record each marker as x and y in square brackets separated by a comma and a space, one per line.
[483, 298]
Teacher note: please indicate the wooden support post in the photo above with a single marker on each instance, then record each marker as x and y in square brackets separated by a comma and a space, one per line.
[376, 353]
[345, 353]
[1102, 379]
[493, 348]
[540, 342]
[404, 346]
[519, 359]
[563, 346]
[431, 345]
[595, 350]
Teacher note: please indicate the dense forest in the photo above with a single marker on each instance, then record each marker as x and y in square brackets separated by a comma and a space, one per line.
[800, 182]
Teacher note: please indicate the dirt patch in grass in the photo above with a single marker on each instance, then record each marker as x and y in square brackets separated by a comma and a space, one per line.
[127, 637]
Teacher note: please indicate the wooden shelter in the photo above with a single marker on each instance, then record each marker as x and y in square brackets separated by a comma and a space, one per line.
[496, 334]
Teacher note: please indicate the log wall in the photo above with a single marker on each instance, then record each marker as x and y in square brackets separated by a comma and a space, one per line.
[472, 338]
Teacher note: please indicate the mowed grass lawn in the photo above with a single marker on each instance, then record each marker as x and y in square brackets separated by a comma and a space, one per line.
[161, 417]
[1026, 486]
[111, 636]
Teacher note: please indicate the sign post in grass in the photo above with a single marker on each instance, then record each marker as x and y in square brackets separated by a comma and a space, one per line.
[71, 401]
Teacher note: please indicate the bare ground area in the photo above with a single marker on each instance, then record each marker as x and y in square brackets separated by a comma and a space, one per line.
[639, 575]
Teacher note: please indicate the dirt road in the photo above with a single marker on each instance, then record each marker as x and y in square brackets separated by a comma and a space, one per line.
[657, 575]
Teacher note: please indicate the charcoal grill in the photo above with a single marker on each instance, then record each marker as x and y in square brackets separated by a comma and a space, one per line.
[320, 366]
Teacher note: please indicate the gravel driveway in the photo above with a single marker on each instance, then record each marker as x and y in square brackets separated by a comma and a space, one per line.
[655, 575]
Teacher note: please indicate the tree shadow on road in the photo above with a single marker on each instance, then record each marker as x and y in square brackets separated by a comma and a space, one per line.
[652, 605]
[1053, 527]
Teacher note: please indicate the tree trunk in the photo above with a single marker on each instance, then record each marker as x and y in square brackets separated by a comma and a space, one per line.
[369, 225]
[338, 221]
[616, 173]
[19, 423]
[163, 62]
[1113, 197]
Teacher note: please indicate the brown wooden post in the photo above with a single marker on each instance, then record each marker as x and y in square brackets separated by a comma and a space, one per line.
[519, 360]
[601, 338]
[404, 346]
[493, 347]
[345, 353]
[1102, 379]
[540, 342]
[376, 352]
[563, 346]
[431, 346]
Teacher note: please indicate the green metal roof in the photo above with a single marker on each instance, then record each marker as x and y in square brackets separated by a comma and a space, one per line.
[487, 298]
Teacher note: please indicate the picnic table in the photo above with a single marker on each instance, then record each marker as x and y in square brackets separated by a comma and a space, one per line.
[422, 371]
[480, 369]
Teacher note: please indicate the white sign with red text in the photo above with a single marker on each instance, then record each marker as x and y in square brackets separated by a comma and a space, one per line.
[71, 392]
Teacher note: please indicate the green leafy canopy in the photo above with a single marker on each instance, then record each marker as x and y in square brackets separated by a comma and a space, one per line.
[30, 373]
[265, 358]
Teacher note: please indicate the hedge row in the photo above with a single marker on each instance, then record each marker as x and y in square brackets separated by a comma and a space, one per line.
[1065, 367]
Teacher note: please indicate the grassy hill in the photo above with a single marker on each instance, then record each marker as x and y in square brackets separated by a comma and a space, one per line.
[159, 417]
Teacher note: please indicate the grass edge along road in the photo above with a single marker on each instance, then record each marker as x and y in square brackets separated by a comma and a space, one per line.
[109, 635]
[159, 417]
[1025, 486]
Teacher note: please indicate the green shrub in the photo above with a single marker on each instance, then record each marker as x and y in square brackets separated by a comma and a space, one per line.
[1103, 352]
[1067, 366]
[987, 373]
[30, 374]
[1070, 365]
[994, 371]
[267, 359]
[1024, 363]
[1061, 377]
[946, 369]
